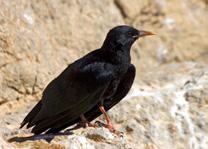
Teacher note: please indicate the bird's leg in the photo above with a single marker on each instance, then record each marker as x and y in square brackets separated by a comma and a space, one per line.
[85, 123]
[109, 124]
[107, 118]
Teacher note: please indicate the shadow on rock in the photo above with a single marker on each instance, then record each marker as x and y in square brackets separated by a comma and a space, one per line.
[46, 137]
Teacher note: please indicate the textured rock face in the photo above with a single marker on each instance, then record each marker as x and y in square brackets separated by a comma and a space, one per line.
[165, 109]
[168, 104]
[39, 38]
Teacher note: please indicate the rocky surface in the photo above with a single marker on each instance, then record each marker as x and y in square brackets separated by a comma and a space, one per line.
[167, 107]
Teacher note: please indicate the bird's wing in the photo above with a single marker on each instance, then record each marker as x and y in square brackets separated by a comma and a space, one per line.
[122, 90]
[76, 91]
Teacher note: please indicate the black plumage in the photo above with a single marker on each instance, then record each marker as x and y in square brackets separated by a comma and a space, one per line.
[95, 82]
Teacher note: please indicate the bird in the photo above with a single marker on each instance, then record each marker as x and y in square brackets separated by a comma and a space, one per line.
[88, 87]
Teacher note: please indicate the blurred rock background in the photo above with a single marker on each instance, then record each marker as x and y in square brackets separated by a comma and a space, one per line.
[167, 107]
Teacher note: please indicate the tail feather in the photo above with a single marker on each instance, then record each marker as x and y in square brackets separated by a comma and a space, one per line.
[32, 114]
[42, 126]
[49, 122]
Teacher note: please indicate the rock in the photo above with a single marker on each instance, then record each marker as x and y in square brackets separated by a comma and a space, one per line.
[130, 9]
[169, 112]
[181, 30]
[39, 39]
[79, 142]
[167, 107]
[4, 144]
[100, 134]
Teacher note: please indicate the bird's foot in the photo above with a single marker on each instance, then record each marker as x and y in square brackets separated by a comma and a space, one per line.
[110, 128]
[113, 130]
[92, 125]
[87, 124]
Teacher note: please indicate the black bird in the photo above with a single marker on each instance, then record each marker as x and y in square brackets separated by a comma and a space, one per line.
[88, 87]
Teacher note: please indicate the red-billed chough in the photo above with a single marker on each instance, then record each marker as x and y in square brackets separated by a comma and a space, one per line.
[88, 87]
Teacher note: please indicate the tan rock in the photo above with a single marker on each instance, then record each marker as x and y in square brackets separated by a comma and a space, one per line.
[167, 107]
[39, 38]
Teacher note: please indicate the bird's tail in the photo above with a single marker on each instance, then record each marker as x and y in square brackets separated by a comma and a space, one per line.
[32, 114]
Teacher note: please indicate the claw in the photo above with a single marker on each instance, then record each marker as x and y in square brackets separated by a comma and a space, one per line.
[100, 124]
[113, 130]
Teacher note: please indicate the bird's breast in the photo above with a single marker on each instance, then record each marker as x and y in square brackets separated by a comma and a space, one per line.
[122, 69]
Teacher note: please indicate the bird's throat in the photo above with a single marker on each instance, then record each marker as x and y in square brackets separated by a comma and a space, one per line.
[118, 55]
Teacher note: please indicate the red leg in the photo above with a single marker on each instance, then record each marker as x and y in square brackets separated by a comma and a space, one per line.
[107, 118]
[109, 124]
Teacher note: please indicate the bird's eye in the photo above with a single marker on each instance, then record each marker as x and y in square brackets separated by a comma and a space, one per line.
[133, 35]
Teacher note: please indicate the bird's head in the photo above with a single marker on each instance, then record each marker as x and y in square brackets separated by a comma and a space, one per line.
[123, 36]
